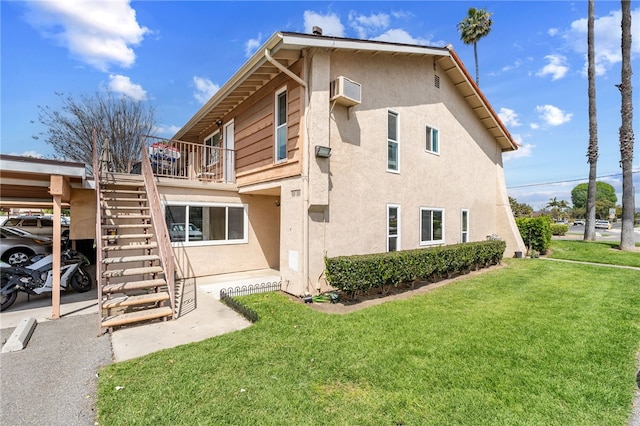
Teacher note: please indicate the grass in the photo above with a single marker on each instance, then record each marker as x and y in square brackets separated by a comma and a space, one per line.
[536, 342]
[596, 252]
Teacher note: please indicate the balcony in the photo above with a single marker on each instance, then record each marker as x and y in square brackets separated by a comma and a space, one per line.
[190, 161]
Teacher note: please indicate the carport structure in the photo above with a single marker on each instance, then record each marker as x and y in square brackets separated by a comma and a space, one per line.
[27, 182]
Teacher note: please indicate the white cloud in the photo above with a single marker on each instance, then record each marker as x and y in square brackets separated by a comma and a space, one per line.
[534, 126]
[607, 34]
[32, 154]
[364, 24]
[556, 67]
[553, 32]
[401, 36]
[516, 64]
[524, 150]
[252, 44]
[509, 117]
[552, 115]
[122, 84]
[205, 88]
[330, 23]
[165, 131]
[99, 33]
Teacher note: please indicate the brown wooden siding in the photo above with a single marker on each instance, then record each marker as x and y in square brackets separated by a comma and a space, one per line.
[254, 132]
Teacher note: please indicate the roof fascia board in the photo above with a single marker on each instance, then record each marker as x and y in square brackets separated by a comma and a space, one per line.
[27, 166]
[255, 62]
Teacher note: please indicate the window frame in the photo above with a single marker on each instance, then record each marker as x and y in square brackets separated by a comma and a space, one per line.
[398, 226]
[278, 127]
[464, 235]
[214, 155]
[432, 242]
[396, 141]
[226, 241]
[429, 139]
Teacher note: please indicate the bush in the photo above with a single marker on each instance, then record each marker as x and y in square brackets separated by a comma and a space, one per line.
[536, 232]
[559, 229]
[353, 274]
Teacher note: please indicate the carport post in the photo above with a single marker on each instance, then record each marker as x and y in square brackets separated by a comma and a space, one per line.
[59, 189]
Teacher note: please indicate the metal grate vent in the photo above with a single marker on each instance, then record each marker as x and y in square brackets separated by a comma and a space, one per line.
[436, 81]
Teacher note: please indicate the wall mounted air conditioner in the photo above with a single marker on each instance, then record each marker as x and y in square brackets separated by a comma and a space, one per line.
[345, 92]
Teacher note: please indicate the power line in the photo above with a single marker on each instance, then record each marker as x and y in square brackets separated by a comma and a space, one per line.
[567, 180]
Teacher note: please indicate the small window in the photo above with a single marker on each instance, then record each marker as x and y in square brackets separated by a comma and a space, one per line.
[393, 227]
[212, 155]
[464, 226]
[431, 226]
[281, 126]
[433, 140]
[393, 141]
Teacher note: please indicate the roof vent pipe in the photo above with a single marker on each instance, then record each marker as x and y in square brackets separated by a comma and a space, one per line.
[317, 31]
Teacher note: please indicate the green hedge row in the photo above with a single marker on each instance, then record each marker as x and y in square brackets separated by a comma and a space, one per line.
[353, 274]
[559, 229]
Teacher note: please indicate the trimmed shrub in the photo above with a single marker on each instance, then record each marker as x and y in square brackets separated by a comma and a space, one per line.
[361, 273]
[536, 232]
[559, 229]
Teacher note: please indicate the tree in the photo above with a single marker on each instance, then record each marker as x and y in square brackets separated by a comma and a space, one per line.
[121, 120]
[475, 26]
[592, 151]
[520, 209]
[605, 198]
[626, 133]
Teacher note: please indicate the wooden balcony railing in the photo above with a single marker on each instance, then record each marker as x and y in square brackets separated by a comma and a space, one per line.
[192, 161]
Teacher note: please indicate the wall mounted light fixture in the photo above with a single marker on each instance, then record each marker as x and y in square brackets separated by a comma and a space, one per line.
[323, 151]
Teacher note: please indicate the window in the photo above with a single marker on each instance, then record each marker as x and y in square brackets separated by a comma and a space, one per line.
[431, 226]
[433, 142]
[393, 227]
[281, 125]
[207, 224]
[464, 226]
[393, 139]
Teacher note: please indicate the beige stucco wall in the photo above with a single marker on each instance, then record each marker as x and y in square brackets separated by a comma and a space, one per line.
[260, 252]
[464, 175]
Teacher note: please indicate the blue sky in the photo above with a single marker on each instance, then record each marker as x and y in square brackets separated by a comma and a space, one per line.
[175, 55]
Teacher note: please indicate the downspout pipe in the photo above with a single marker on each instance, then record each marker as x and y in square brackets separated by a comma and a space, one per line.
[267, 55]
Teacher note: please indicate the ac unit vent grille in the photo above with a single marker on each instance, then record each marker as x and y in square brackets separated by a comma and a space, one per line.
[436, 81]
[345, 92]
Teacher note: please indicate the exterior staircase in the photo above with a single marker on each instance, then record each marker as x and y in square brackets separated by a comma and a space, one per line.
[133, 284]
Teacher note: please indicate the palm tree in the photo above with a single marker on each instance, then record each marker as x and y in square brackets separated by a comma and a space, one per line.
[626, 133]
[592, 151]
[475, 26]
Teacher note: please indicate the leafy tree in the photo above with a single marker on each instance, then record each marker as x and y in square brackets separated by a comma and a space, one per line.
[121, 120]
[475, 26]
[520, 209]
[592, 151]
[605, 197]
[626, 133]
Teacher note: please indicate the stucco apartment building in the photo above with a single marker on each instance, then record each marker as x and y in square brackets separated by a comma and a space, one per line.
[322, 146]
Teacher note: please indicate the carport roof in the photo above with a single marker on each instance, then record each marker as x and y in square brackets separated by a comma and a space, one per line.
[25, 181]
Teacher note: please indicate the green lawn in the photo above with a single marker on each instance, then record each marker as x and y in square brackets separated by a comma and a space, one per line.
[536, 342]
[597, 252]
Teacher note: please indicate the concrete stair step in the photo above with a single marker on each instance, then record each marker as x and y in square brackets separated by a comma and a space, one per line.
[142, 299]
[128, 259]
[127, 272]
[133, 317]
[133, 285]
[126, 236]
[131, 247]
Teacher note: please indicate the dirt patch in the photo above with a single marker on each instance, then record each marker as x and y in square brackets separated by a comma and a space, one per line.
[376, 296]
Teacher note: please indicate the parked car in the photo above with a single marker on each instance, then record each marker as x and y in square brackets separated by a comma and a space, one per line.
[17, 246]
[603, 224]
[177, 232]
[579, 222]
[37, 225]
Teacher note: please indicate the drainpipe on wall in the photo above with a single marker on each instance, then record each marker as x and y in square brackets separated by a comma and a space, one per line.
[305, 162]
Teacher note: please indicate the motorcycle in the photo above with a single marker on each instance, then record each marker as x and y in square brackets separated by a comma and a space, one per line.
[37, 277]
